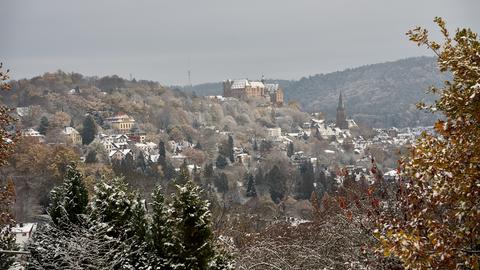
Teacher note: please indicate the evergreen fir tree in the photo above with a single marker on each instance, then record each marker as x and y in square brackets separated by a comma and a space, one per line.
[221, 183]
[276, 182]
[255, 145]
[221, 162]
[76, 194]
[259, 177]
[128, 164]
[183, 176]
[193, 224]
[208, 170]
[196, 175]
[198, 146]
[116, 166]
[230, 149]
[141, 163]
[112, 204]
[162, 226]
[89, 130]
[169, 171]
[260, 184]
[91, 157]
[7, 242]
[306, 186]
[290, 149]
[161, 149]
[44, 124]
[56, 208]
[138, 221]
[69, 200]
[251, 190]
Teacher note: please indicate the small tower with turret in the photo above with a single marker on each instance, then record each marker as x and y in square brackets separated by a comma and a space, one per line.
[341, 115]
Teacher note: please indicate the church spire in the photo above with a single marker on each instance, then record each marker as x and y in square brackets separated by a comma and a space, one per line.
[340, 101]
[341, 115]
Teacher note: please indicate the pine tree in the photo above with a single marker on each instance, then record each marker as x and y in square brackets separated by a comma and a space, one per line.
[193, 223]
[138, 220]
[141, 164]
[221, 183]
[112, 204]
[91, 157]
[161, 149]
[251, 190]
[76, 194]
[221, 162]
[44, 124]
[290, 149]
[56, 208]
[128, 165]
[306, 186]
[208, 170]
[230, 149]
[197, 178]
[162, 226]
[183, 176]
[276, 182]
[198, 146]
[69, 200]
[260, 183]
[89, 130]
[169, 171]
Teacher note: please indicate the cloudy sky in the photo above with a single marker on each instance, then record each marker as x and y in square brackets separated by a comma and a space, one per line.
[216, 39]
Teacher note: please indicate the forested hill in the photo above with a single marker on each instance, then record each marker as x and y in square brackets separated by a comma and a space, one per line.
[380, 95]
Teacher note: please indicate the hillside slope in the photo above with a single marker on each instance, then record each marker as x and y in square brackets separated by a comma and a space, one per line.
[381, 94]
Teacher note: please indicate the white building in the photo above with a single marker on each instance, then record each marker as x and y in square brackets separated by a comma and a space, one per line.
[33, 134]
[274, 132]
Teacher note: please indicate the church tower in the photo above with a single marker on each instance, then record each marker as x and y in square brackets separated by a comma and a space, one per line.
[341, 115]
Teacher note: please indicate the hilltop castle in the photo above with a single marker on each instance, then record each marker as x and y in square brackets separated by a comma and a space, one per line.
[244, 88]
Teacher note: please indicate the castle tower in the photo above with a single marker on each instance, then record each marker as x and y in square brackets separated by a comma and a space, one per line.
[341, 115]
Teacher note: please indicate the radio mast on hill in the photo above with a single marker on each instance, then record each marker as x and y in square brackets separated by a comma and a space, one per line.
[189, 76]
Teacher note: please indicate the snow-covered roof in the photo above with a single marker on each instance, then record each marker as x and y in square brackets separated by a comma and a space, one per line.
[257, 84]
[243, 83]
[151, 145]
[23, 227]
[391, 173]
[239, 84]
[271, 87]
[22, 111]
[70, 130]
[123, 151]
[31, 133]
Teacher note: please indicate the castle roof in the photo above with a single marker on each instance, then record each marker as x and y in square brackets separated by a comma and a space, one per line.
[271, 87]
[243, 83]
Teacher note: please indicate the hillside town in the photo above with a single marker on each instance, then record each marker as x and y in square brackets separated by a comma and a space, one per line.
[239, 135]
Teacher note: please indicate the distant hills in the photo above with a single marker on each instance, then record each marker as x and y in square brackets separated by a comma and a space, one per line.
[380, 95]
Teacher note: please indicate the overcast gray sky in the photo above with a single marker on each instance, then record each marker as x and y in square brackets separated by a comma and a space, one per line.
[216, 39]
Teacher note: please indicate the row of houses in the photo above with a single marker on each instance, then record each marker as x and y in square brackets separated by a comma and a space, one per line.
[71, 135]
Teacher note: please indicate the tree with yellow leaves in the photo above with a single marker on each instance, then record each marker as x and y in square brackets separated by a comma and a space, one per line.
[438, 225]
[7, 192]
